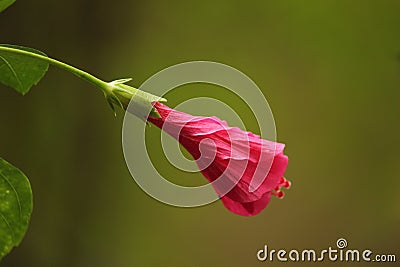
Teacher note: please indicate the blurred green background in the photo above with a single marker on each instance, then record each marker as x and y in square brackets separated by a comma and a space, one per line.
[329, 69]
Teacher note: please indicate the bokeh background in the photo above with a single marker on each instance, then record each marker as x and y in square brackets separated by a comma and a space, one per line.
[329, 69]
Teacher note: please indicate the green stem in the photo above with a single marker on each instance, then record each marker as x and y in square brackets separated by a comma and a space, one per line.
[104, 86]
[116, 92]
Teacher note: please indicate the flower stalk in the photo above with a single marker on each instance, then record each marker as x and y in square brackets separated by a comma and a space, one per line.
[116, 92]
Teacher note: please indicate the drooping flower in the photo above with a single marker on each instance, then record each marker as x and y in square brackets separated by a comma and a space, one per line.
[244, 169]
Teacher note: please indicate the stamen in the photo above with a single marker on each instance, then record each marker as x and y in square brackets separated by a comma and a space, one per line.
[286, 183]
[282, 183]
[279, 194]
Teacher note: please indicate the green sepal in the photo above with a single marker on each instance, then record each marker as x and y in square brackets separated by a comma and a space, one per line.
[142, 102]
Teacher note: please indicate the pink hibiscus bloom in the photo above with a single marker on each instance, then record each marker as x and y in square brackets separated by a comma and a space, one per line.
[244, 169]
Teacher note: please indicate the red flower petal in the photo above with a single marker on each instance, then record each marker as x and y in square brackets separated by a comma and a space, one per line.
[238, 159]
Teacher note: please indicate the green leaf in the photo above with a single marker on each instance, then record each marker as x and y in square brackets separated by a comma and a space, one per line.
[15, 206]
[21, 72]
[5, 3]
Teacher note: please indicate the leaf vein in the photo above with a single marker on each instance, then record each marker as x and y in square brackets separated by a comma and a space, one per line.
[16, 194]
[9, 226]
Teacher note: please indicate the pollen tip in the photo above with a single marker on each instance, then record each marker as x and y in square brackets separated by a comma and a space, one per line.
[278, 193]
[285, 183]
